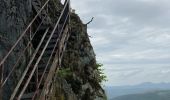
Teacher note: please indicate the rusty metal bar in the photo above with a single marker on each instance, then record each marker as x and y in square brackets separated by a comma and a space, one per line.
[28, 66]
[49, 59]
[35, 66]
[64, 47]
[10, 73]
[53, 67]
[29, 43]
[13, 47]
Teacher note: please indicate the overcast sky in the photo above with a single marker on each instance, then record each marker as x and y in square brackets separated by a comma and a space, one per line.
[130, 37]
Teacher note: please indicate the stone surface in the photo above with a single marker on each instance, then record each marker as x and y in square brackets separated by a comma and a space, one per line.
[14, 16]
[62, 90]
[80, 57]
[82, 83]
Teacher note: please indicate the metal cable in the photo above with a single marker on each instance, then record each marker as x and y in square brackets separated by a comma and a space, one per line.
[24, 32]
[49, 60]
[54, 63]
[35, 66]
[29, 43]
[28, 66]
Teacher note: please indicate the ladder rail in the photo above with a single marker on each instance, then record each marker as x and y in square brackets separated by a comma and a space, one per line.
[35, 66]
[40, 82]
[28, 66]
[64, 18]
[53, 67]
[22, 35]
[19, 58]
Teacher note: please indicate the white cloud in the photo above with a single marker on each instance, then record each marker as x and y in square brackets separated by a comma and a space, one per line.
[130, 37]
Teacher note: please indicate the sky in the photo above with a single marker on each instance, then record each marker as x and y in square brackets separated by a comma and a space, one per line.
[130, 37]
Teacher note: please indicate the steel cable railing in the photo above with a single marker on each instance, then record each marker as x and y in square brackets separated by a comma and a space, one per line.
[54, 65]
[22, 35]
[28, 66]
[4, 80]
[19, 58]
[35, 66]
[62, 20]
[62, 13]
[50, 58]
[2, 62]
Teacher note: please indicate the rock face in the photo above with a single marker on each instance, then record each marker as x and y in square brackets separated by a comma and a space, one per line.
[14, 16]
[79, 57]
[78, 77]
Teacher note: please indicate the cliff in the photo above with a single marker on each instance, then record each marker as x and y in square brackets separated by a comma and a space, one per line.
[79, 65]
[78, 77]
[14, 17]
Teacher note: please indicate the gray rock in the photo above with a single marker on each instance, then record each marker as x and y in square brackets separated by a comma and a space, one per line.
[79, 55]
[14, 16]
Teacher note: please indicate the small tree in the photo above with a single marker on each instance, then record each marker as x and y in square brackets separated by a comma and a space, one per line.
[102, 77]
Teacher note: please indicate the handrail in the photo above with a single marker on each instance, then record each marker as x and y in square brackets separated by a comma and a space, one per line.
[29, 43]
[32, 66]
[52, 66]
[24, 32]
[18, 40]
[48, 62]
[35, 66]
[28, 66]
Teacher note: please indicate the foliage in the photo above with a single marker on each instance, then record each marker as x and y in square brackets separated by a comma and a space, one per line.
[64, 72]
[102, 77]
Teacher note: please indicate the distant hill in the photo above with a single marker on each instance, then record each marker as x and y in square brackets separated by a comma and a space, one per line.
[157, 95]
[115, 91]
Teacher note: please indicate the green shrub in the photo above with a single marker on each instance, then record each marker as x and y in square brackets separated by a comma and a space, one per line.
[102, 77]
[64, 72]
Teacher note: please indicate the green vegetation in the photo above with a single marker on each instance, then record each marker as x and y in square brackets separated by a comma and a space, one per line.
[64, 72]
[102, 77]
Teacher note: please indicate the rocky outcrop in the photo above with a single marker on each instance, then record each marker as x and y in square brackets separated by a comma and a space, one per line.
[79, 57]
[14, 16]
[78, 76]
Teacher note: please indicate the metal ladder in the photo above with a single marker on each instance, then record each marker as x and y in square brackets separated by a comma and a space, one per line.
[51, 41]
